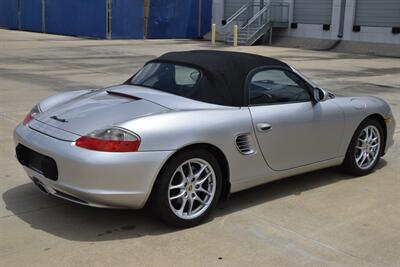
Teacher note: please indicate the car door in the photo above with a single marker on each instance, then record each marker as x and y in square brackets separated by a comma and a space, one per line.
[292, 128]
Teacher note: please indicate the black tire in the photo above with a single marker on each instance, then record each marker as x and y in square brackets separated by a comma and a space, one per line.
[350, 164]
[159, 203]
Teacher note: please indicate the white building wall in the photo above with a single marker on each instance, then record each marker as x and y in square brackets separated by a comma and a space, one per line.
[367, 34]
[315, 30]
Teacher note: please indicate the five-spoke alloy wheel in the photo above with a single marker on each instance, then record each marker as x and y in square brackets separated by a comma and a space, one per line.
[365, 148]
[188, 188]
[192, 188]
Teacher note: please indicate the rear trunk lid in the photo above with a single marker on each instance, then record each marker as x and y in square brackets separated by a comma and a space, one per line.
[97, 110]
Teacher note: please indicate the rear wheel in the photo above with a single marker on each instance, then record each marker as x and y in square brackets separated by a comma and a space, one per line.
[365, 148]
[187, 189]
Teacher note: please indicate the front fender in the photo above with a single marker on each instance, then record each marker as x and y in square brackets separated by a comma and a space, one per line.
[357, 109]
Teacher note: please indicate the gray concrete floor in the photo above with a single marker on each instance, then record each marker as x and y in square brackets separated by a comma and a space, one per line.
[323, 218]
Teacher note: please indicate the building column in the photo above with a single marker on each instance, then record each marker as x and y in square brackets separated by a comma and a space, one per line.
[335, 21]
[349, 18]
[291, 11]
[217, 13]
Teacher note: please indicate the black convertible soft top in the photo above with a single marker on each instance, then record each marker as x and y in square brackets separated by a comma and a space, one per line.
[224, 73]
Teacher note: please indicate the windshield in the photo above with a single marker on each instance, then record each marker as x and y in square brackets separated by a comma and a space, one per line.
[167, 77]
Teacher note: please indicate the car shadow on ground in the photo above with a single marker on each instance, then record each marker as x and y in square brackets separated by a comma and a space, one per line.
[80, 223]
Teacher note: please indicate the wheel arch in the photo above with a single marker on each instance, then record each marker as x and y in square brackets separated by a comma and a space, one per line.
[381, 121]
[348, 164]
[217, 153]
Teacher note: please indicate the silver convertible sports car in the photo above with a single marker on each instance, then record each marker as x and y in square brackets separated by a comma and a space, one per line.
[192, 127]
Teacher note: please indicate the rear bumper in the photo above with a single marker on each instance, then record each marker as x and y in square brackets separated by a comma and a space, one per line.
[100, 179]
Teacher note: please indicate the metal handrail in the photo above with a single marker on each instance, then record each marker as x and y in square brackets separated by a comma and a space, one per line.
[257, 15]
[237, 13]
[256, 18]
[240, 12]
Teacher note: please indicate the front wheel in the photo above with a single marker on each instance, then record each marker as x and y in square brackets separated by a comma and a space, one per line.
[187, 189]
[365, 148]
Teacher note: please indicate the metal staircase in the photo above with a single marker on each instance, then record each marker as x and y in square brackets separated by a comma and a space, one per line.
[254, 20]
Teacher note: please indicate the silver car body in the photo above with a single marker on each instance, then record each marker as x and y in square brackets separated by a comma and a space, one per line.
[301, 137]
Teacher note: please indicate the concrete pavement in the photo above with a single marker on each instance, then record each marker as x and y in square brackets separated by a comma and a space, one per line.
[323, 218]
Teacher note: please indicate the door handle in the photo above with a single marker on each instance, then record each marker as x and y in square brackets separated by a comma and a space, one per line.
[263, 127]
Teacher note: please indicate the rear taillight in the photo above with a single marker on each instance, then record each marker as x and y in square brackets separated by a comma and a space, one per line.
[34, 111]
[27, 119]
[110, 140]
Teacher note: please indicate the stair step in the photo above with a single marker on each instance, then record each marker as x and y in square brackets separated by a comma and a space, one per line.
[245, 32]
[239, 43]
[243, 40]
[239, 38]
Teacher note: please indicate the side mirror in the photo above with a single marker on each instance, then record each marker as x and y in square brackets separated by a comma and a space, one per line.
[321, 95]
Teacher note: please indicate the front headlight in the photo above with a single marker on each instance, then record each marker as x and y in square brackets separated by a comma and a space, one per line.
[32, 114]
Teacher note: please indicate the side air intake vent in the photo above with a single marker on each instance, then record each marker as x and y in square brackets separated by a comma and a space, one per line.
[244, 143]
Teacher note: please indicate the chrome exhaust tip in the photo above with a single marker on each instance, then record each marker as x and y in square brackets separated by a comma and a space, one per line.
[41, 186]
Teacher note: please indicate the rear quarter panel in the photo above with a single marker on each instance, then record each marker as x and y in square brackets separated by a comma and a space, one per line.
[176, 130]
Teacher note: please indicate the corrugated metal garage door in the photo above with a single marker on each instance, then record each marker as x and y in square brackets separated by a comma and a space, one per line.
[79, 18]
[231, 6]
[31, 15]
[379, 13]
[312, 11]
[9, 14]
[178, 19]
[127, 19]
